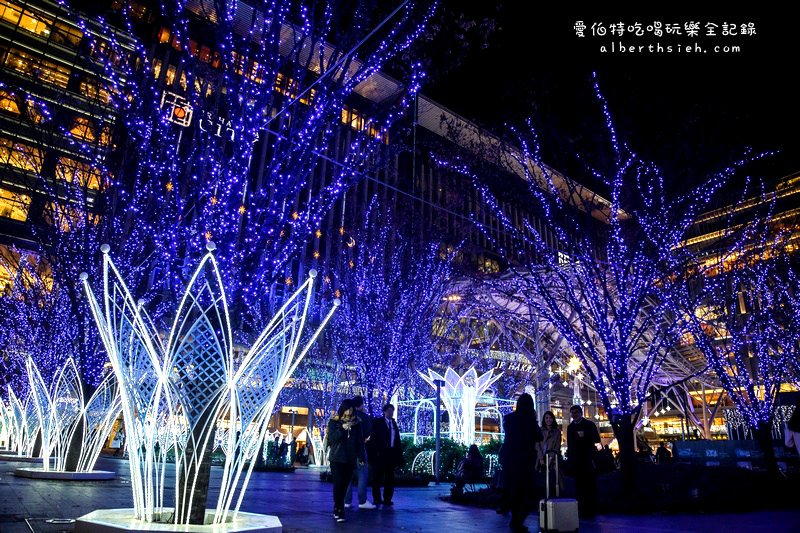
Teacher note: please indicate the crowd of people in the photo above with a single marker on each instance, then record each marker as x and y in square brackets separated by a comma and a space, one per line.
[358, 444]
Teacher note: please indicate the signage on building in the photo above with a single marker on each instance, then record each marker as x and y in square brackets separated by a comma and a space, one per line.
[178, 110]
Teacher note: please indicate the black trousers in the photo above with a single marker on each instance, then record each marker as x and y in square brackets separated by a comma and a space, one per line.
[586, 487]
[521, 492]
[382, 475]
[341, 473]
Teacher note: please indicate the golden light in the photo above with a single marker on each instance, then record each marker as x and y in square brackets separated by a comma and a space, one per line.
[573, 364]
[318, 233]
[316, 254]
[242, 210]
[169, 185]
[208, 235]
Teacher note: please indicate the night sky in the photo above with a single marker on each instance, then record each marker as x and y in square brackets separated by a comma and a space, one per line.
[691, 113]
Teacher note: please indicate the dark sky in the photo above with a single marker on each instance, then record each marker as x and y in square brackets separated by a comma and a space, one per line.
[691, 112]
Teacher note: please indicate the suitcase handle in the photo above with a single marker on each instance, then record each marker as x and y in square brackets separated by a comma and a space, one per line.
[554, 452]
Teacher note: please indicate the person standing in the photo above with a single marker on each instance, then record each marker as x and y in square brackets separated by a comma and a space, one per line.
[582, 436]
[551, 432]
[361, 467]
[386, 454]
[792, 434]
[345, 444]
[663, 455]
[522, 434]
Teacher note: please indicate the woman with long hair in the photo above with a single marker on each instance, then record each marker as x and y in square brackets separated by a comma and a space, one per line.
[345, 444]
[522, 434]
[551, 432]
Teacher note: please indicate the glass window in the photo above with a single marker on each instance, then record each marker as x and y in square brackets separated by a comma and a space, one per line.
[95, 91]
[84, 174]
[14, 205]
[9, 103]
[67, 217]
[20, 156]
[82, 128]
[37, 68]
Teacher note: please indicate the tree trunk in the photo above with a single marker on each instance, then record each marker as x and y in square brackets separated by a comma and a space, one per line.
[75, 445]
[623, 430]
[763, 436]
[189, 470]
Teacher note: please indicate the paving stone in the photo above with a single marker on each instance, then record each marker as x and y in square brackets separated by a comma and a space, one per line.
[304, 504]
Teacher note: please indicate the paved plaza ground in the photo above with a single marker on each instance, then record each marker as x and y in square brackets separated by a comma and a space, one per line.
[304, 504]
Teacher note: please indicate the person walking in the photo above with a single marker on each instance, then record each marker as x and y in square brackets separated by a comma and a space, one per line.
[522, 434]
[663, 455]
[792, 435]
[386, 454]
[345, 445]
[551, 432]
[582, 436]
[361, 467]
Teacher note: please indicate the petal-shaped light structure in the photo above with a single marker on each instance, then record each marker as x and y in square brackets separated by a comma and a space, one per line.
[185, 397]
[460, 395]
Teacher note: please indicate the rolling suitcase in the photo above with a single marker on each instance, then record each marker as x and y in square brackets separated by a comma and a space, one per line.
[556, 514]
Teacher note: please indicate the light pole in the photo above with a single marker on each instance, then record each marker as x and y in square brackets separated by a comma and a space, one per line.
[439, 384]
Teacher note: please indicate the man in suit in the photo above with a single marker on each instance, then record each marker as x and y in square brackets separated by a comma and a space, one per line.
[385, 454]
[582, 438]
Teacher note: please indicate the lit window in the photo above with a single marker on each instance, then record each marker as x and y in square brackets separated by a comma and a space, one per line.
[95, 91]
[20, 156]
[67, 217]
[8, 103]
[37, 68]
[84, 174]
[83, 129]
[14, 205]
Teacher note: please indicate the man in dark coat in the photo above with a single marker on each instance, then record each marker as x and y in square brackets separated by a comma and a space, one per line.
[582, 435]
[519, 449]
[346, 448]
[385, 454]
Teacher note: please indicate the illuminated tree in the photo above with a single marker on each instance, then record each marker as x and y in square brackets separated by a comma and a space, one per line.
[746, 325]
[600, 269]
[242, 124]
[391, 290]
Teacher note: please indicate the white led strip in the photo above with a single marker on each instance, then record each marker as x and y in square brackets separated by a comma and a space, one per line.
[177, 392]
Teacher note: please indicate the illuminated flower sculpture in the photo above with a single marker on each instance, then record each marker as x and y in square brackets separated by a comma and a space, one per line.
[460, 395]
[23, 425]
[65, 420]
[179, 389]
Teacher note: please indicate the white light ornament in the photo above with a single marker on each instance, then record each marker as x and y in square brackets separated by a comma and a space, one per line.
[23, 425]
[66, 421]
[178, 390]
[460, 396]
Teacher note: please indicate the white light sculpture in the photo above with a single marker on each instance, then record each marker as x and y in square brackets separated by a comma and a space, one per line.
[61, 412]
[5, 421]
[24, 425]
[460, 396]
[177, 390]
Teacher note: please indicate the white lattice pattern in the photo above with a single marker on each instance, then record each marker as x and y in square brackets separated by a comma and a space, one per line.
[178, 392]
[61, 412]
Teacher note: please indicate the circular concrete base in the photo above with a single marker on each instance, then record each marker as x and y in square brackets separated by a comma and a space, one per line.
[39, 473]
[119, 520]
[20, 458]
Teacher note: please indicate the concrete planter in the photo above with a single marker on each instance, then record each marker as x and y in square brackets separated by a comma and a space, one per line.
[119, 520]
[39, 473]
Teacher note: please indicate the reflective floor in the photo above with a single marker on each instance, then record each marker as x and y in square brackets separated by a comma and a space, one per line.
[304, 504]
